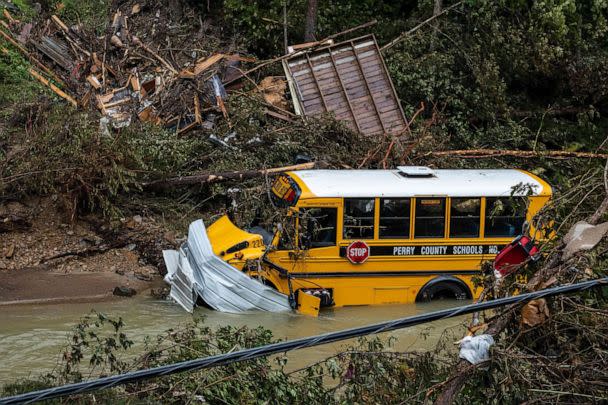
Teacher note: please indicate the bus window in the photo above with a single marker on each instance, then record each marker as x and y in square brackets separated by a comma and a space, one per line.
[394, 218]
[505, 217]
[465, 217]
[318, 227]
[430, 218]
[359, 218]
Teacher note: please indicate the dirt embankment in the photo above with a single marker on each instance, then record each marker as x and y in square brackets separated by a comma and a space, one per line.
[45, 258]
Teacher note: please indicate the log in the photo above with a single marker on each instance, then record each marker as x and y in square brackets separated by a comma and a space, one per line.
[485, 153]
[226, 176]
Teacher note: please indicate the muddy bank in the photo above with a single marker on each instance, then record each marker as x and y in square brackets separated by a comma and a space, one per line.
[46, 258]
[41, 287]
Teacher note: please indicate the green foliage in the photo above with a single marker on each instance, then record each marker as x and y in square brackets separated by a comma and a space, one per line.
[16, 84]
[98, 339]
[92, 14]
[494, 68]
[64, 152]
[261, 22]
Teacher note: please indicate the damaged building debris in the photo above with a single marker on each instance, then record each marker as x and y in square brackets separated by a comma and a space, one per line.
[120, 74]
[350, 80]
[140, 69]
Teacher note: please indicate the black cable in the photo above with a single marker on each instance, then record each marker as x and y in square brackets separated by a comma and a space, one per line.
[248, 354]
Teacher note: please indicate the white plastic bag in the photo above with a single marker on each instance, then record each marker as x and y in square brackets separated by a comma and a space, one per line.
[476, 349]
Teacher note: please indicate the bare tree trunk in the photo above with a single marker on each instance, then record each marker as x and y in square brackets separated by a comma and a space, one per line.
[226, 176]
[285, 41]
[436, 11]
[311, 20]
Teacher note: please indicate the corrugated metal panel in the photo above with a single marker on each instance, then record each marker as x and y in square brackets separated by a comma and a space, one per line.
[350, 80]
[196, 271]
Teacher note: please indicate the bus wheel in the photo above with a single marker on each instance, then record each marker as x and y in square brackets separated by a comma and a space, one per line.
[444, 288]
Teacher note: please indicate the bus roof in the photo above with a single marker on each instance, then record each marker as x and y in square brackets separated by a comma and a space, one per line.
[395, 183]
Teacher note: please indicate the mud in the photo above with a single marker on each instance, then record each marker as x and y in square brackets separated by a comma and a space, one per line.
[54, 260]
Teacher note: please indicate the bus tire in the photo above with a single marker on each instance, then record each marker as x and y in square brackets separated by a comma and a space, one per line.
[444, 287]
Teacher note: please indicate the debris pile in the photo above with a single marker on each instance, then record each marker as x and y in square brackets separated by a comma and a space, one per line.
[145, 65]
[350, 80]
[149, 66]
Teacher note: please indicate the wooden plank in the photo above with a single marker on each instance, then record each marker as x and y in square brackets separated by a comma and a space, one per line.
[313, 103]
[54, 88]
[316, 82]
[323, 74]
[345, 94]
[351, 81]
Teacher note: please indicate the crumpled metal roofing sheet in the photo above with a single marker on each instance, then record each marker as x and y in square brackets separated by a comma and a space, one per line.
[350, 80]
[196, 271]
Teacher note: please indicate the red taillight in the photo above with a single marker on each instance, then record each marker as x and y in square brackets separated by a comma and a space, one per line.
[291, 194]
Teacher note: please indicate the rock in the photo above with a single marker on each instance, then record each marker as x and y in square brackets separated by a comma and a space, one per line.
[170, 237]
[70, 232]
[138, 219]
[160, 293]
[92, 240]
[119, 270]
[146, 273]
[10, 251]
[123, 291]
[131, 246]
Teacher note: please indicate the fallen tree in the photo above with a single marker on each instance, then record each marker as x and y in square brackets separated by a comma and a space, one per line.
[485, 153]
[226, 176]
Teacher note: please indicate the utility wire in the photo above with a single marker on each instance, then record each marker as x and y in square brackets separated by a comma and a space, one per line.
[253, 353]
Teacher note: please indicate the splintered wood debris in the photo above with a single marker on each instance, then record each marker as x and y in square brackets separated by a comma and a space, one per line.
[146, 67]
[143, 68]
[350, 80]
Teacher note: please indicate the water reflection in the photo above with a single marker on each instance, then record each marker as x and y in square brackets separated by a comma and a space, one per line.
[31, 337]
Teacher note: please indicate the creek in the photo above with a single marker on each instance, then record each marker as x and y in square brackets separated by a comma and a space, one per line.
[32, 336]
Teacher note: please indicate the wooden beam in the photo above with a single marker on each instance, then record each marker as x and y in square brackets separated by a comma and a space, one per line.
[54, 88]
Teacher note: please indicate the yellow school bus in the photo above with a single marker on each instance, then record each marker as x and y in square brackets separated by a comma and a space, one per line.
[359, 237]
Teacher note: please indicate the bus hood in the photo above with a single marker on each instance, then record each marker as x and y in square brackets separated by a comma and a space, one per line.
[232, 243]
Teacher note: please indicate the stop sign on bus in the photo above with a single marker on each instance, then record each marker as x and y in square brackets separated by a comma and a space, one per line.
[357, 252]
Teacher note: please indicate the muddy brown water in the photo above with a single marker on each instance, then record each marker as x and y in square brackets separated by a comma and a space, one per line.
[32, 336]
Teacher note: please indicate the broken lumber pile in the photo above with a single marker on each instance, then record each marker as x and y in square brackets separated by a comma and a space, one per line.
[149, 67]
[143, 66]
